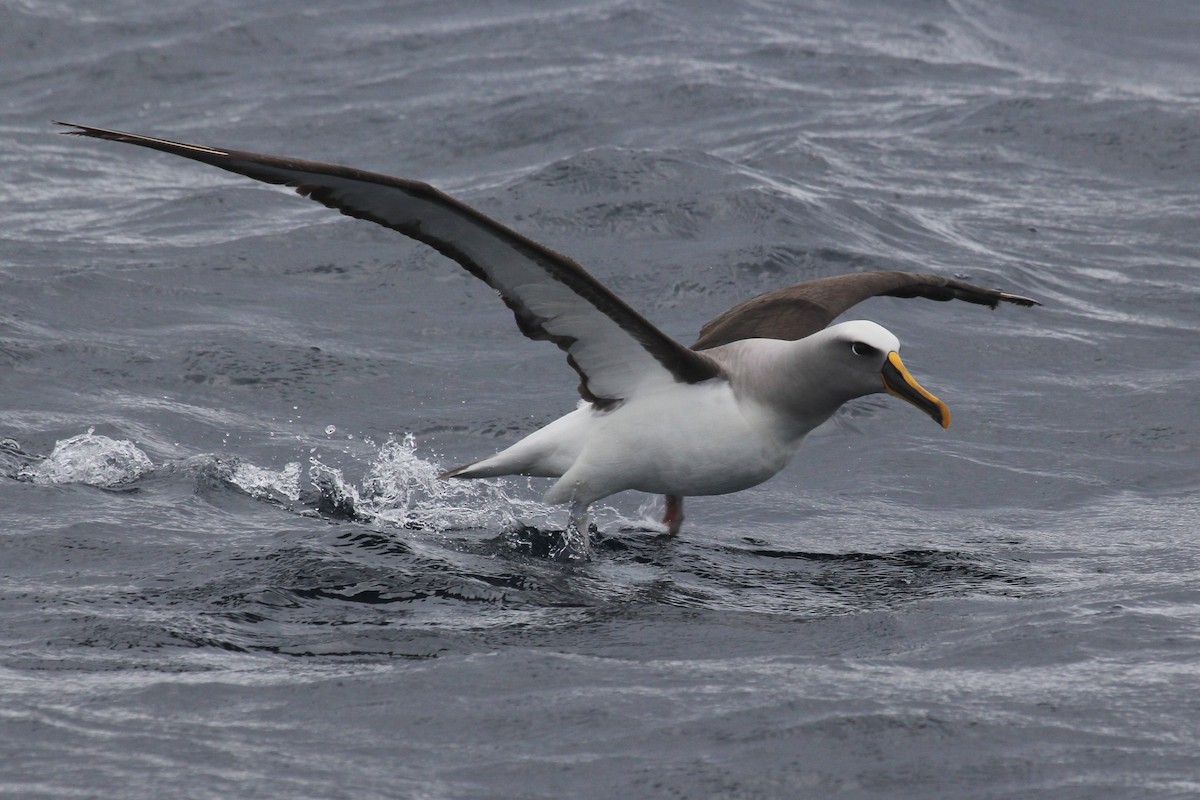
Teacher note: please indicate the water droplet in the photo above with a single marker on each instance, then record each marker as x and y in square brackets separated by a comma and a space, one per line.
[330, 430]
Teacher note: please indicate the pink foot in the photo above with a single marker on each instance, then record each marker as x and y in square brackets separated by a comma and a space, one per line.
[673, 518]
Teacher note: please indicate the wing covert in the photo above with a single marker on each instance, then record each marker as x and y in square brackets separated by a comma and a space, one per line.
[802, 309]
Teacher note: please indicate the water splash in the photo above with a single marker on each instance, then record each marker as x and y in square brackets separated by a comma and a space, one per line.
[91, 459]
[399, 488]
[402, 489]
[266, 483]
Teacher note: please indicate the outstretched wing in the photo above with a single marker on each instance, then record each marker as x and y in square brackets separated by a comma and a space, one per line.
[613, 348]
[794, 312]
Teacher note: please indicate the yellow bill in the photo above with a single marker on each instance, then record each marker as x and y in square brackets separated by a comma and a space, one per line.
[898, 381]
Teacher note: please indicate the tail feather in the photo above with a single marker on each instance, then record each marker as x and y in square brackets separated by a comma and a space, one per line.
[483, 468]
[503, 463]
[545, 453]
[457, 472]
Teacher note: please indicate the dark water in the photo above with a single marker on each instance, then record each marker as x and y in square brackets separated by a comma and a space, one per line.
[226, 572]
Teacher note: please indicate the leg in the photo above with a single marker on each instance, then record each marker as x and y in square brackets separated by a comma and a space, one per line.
[577, 540]
[673, 518]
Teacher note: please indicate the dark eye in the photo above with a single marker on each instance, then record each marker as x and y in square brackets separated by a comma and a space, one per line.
[863, 349]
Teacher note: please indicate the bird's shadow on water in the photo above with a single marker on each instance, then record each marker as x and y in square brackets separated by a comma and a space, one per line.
[358, 593]
[857, 579]
[710, 569]
[710, 566]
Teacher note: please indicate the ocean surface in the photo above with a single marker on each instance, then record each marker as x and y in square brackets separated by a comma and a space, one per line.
[226, 569]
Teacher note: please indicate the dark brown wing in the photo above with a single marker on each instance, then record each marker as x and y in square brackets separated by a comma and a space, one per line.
[794, 312]
[613, 348]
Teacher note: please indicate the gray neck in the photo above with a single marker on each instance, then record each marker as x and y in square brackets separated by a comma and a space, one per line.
[789, 379]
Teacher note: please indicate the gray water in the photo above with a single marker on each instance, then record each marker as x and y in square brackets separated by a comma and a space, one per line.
[226, 570]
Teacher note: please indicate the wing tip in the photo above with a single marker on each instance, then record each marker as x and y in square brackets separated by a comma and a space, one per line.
[166, 145]
[80, 130]
[93, 131]
[1016, 299]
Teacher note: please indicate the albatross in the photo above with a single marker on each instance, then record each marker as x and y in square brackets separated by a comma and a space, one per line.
[656, 416]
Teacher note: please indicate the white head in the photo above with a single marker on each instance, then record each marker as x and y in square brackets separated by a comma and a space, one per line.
[859, 358]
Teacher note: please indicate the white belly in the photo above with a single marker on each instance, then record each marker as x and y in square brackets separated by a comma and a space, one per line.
[689, 440]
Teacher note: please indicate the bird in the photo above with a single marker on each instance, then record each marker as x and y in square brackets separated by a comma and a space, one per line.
[721, 415]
